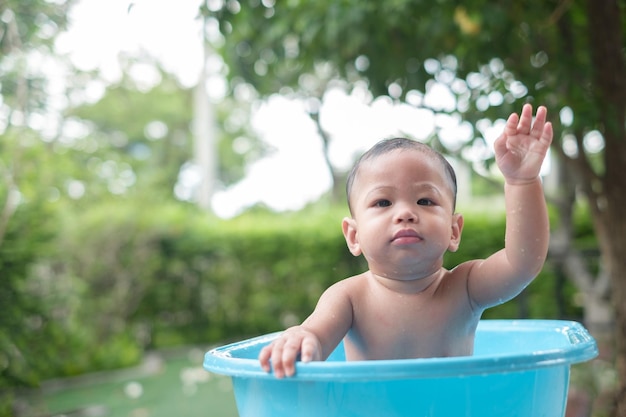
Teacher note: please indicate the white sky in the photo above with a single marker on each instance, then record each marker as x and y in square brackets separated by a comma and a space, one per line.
[102, 31]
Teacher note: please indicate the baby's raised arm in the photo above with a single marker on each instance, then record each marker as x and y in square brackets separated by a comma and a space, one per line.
[520, 152]
[315, 338]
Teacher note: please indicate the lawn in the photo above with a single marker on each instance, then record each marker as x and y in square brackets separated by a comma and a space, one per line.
[178, 386]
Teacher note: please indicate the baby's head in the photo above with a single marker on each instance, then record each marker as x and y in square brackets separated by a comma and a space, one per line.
[401, 144]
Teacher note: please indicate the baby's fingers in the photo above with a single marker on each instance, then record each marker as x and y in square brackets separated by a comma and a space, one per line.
[273, 352]
[281, 355]
[311, 350]
[510, 128]
[290, 353]
[264, 357]
[277, 358]
[525, 120]
[540, 122]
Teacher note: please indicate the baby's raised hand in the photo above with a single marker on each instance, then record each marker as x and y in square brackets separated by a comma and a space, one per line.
[523, 145]
[284, 351]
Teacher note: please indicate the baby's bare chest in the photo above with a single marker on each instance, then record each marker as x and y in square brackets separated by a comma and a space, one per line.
[423, 325]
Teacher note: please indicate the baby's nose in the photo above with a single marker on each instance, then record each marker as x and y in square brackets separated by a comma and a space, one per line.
[406, 213]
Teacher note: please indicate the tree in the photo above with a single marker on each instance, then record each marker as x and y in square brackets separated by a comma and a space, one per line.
[23, 83]
[493, 56]
[139, 138]
[145, 138]
[27, 30]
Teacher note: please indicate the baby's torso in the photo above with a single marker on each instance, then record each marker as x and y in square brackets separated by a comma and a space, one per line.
[438, 322]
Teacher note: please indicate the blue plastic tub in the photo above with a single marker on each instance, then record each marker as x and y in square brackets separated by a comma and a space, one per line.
[519, 368]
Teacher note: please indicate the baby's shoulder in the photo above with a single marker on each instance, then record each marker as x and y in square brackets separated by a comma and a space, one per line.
[458, 277]
[350, 284]
[462, 271]
[345, 290]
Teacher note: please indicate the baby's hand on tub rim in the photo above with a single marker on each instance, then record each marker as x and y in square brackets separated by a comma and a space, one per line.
[283, 352]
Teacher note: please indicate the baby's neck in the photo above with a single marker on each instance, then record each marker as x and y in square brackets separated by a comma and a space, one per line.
[406, 283]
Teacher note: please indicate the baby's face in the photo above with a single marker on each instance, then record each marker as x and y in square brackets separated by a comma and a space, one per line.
[403, 212]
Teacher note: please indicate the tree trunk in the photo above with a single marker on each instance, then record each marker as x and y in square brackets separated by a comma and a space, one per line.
[570, 262]
[616, 265]
[337, 190]
[609, 86]
[205, 141]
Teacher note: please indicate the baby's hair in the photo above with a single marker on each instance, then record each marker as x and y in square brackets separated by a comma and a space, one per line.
[388, 145]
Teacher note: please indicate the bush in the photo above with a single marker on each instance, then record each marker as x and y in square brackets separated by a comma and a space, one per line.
[128, 277]
[208, 280]
[25, 310]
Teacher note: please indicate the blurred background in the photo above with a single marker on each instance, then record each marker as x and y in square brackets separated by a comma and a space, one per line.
[172, 177]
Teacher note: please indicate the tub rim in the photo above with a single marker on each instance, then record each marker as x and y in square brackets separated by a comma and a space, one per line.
[582, 348]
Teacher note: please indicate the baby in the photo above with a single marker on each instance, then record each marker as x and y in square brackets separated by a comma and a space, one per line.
[401, 196]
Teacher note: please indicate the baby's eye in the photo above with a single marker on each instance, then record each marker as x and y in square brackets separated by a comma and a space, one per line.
[425, 202]
[382, 203]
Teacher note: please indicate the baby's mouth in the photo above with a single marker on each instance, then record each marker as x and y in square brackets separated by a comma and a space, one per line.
[406, 236]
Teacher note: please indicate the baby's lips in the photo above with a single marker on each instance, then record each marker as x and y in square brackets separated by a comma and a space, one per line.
[406, 233]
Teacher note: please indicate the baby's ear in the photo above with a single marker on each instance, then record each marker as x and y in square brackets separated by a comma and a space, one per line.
[457, 229]
[348, 225]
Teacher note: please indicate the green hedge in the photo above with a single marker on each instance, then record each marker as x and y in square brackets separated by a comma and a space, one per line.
[123, 278]
[172, 276]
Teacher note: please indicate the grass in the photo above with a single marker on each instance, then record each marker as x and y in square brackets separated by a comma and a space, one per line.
[179, 387]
